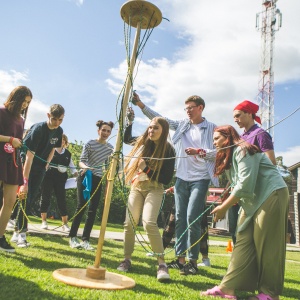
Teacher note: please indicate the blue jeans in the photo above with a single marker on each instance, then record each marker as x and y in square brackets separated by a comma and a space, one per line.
[190, 198]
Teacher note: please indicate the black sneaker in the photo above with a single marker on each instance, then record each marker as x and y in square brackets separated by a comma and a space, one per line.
[5, 246]
[189, 269]
[175, 264]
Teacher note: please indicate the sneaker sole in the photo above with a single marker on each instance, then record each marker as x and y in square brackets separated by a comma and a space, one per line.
[122, 270]
[8, 250]
[164, 278]
[23, 245]
[203, 265]
[186, 274]
[76, 247]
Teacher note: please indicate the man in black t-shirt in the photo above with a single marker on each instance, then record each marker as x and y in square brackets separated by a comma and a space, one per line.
[40, 143]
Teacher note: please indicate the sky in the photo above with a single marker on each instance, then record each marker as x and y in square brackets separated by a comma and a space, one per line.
[72, 52]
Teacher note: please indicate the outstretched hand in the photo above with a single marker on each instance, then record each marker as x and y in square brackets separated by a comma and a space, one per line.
[142, 164]
[130, 115]
[135, 98]
[170, 190]
[219, 213]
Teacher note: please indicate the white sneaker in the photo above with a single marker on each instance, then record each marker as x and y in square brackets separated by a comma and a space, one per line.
[66, 227]
[15, 237]
[86, 245]
[44, 225]
[163, 273]
[74, 243]
[10, 224]
[205, 263]
[22, 243]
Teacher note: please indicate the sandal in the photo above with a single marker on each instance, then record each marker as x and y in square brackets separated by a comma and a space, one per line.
[262, 296]
[216, 291]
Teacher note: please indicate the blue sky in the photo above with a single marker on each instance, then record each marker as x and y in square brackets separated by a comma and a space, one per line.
[73, 53]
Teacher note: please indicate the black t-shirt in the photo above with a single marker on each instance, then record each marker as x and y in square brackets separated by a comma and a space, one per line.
[41, 140]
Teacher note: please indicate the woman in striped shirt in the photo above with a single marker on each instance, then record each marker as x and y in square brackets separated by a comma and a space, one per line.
[89, 183]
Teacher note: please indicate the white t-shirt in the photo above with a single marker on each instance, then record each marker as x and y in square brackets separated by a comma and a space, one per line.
[191, 168]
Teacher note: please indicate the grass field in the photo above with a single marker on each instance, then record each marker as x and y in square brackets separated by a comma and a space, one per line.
[27, 274]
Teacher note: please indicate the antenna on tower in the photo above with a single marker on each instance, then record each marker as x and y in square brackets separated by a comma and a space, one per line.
[268, 22]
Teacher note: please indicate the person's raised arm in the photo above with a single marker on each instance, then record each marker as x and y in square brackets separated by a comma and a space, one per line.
[137, 101]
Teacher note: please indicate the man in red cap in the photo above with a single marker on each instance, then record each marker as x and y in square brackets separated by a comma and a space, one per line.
[244, 115]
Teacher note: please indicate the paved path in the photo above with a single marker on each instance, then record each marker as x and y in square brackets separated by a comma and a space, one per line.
[119, 236]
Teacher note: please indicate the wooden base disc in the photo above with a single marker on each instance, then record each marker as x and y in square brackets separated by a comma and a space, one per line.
[141, 11]
[77, 277]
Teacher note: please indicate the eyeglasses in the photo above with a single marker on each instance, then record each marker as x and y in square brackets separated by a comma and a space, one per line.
[190, 107]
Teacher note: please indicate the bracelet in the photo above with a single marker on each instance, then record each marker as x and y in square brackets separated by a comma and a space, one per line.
[25, 181]
[11, 140]
[203, 152]
[148, 170]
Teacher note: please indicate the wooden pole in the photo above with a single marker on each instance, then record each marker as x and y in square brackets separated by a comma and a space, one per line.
[112, 170]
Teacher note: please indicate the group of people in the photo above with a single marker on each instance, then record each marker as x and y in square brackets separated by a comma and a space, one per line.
[200, 152]
[203, 151]
[44, 168]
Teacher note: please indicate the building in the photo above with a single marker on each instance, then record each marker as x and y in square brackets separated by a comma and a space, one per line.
[294, 211]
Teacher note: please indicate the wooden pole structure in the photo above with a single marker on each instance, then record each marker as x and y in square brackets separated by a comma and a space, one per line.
[141, 15]
[112, 170]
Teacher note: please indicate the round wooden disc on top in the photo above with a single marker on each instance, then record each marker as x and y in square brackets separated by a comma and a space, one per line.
[77, 277]
[140, 11]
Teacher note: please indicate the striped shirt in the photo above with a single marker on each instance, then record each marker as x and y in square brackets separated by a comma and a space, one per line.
[181, 127]
[95, 155]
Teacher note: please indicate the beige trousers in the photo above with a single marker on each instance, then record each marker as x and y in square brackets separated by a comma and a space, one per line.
[145, 199]
[258, 258]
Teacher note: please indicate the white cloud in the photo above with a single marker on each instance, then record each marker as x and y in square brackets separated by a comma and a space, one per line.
[77, 2]
[219, 59]
[37, 112]
[291, 156]
[11, 79]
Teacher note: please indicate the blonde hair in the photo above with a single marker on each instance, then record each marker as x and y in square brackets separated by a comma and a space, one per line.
[145, 148]
[65, 138]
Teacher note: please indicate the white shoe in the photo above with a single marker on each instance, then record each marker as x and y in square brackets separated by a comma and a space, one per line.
[163, 273]
[66, 227]
[205, 263]
[86, 245]
[74, 243]
[44, 225]
[15, 237]
[22, 243]
[10, 224]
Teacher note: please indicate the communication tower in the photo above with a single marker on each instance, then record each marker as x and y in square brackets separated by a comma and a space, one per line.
[268, 21]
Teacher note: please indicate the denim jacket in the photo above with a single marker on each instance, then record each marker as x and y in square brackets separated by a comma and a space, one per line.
[180, 127]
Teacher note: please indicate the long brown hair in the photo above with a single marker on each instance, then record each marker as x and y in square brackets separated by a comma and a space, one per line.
[144, 147]
[15, 101]
[224, 157]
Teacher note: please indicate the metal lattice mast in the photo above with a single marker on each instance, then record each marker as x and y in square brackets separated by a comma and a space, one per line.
[268, 22]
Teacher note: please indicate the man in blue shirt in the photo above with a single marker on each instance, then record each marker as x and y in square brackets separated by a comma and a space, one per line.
[193, 142]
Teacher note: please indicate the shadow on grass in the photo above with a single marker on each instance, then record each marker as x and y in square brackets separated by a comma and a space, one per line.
[290, 292]
[23, 289]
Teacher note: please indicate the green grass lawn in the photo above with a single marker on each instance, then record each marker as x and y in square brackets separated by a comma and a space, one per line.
[27, 274]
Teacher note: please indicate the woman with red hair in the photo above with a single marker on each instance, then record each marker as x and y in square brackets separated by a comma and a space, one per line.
[262, 224]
